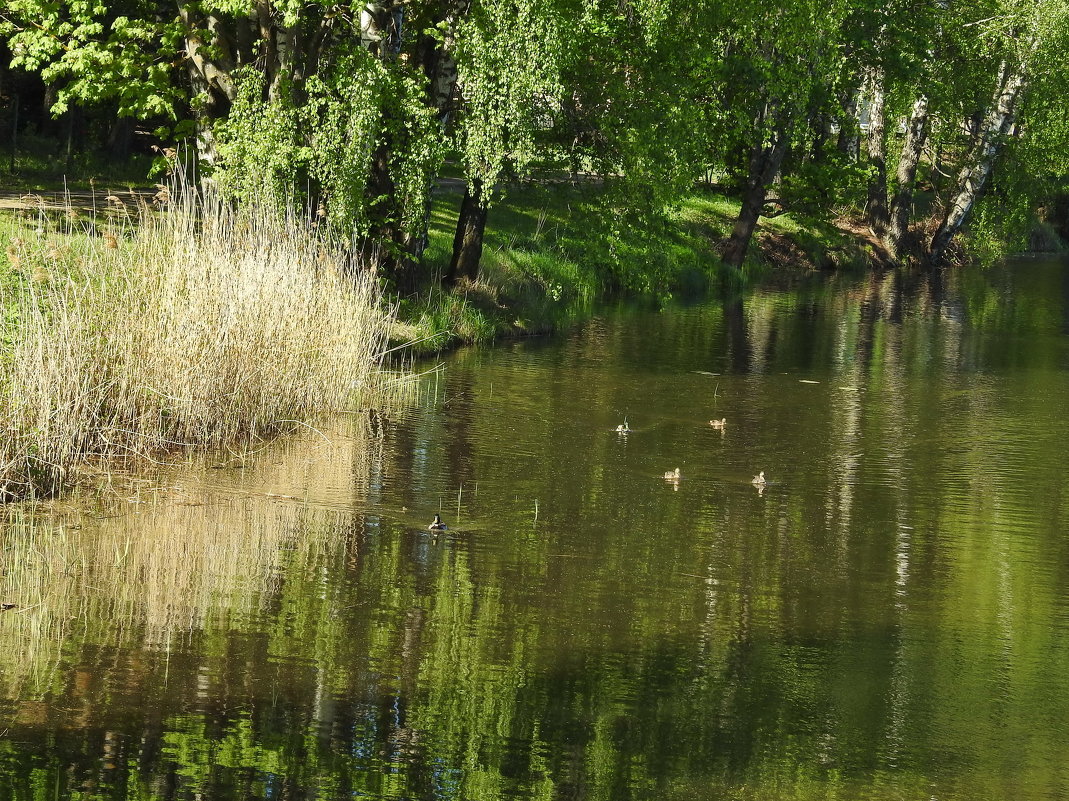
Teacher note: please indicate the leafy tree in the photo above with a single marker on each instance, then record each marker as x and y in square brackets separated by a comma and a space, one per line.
[1026, 41]
[776, 68]
[507, 54]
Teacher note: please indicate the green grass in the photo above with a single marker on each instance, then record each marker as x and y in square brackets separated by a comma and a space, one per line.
[42, 168]
[551, 250]
[529, 282]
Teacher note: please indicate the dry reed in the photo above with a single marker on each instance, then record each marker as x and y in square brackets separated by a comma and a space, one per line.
[201, 325]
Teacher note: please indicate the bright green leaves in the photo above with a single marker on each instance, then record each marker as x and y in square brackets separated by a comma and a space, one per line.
[259, 150]
[95, 53]
[508, 57]
[362, 109]
[271, 150]
[651, 94]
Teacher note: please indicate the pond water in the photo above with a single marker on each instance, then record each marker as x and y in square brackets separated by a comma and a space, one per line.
[886, 618]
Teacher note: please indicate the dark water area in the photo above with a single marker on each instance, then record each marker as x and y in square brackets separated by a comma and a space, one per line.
[886, 618]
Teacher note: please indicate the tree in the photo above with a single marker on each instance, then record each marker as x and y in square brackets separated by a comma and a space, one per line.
[777, 67]
[957, 77]
[507, 55]
[296, 72]
[1028, 40]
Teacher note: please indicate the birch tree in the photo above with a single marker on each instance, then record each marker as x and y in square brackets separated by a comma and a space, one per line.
[1028, 39]
[508, 57]
[612, 84]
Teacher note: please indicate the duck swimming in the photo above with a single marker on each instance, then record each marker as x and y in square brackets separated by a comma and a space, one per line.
[759, 479]
[437, 524]
[719, 424]
[673, 475]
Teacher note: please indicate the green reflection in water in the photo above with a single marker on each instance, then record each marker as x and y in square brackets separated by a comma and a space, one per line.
[886, 619]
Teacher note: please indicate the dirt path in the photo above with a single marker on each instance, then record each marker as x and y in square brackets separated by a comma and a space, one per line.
[98, 201]
[130, 198]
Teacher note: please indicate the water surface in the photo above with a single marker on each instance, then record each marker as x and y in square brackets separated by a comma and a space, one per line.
[888, 618]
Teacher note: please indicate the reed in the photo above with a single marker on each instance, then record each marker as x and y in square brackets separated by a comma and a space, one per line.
[199, 325]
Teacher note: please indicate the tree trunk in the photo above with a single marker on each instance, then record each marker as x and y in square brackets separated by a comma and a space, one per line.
[849, 143]
[439, 63]
[209, 69]
[380, 28]
[821, 127]
[210, 66]
[765, 162]
[14, 134]
[912, 148]
[996, 125]
[392, 249]
[47, 123]
[68, 159]
[468, 242]
[204, 116]
[120, 135]
[395, 248]
[876, 208]
[440, 68]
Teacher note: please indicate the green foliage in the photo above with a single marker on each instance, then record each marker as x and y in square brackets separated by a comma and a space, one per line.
[650, 94]
[270, 147]
[261, 155]
[99, 51]
[1034, 167]
[508, 60]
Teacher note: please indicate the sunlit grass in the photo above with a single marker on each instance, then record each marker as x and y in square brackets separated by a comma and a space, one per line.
[202, 325]
[551, 250]
[528, 282]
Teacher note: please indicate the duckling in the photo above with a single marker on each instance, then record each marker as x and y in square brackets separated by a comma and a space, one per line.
[672, 475]
[759, 479]
[719, 424]
[437, 524]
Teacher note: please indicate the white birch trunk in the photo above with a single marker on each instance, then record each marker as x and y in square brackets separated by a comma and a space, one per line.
[849, 140]
[876, 208]
[443, 77]
[912, 148]
[996, 125]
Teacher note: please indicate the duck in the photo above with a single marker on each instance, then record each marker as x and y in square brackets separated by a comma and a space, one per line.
[437, 524]
[673, 475]
[759, 479]
[719, 424]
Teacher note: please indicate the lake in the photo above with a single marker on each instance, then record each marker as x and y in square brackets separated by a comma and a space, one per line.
[887, 617]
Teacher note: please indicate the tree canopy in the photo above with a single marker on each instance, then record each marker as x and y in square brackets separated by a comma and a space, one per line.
[355, 107]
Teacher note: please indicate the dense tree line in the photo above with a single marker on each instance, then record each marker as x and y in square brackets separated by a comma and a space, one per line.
[923, 113]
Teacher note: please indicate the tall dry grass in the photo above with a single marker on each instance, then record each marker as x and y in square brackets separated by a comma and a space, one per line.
[197, 325]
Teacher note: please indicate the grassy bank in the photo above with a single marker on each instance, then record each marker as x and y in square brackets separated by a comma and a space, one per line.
[137, 334]
[195, 327]
[552, 250]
